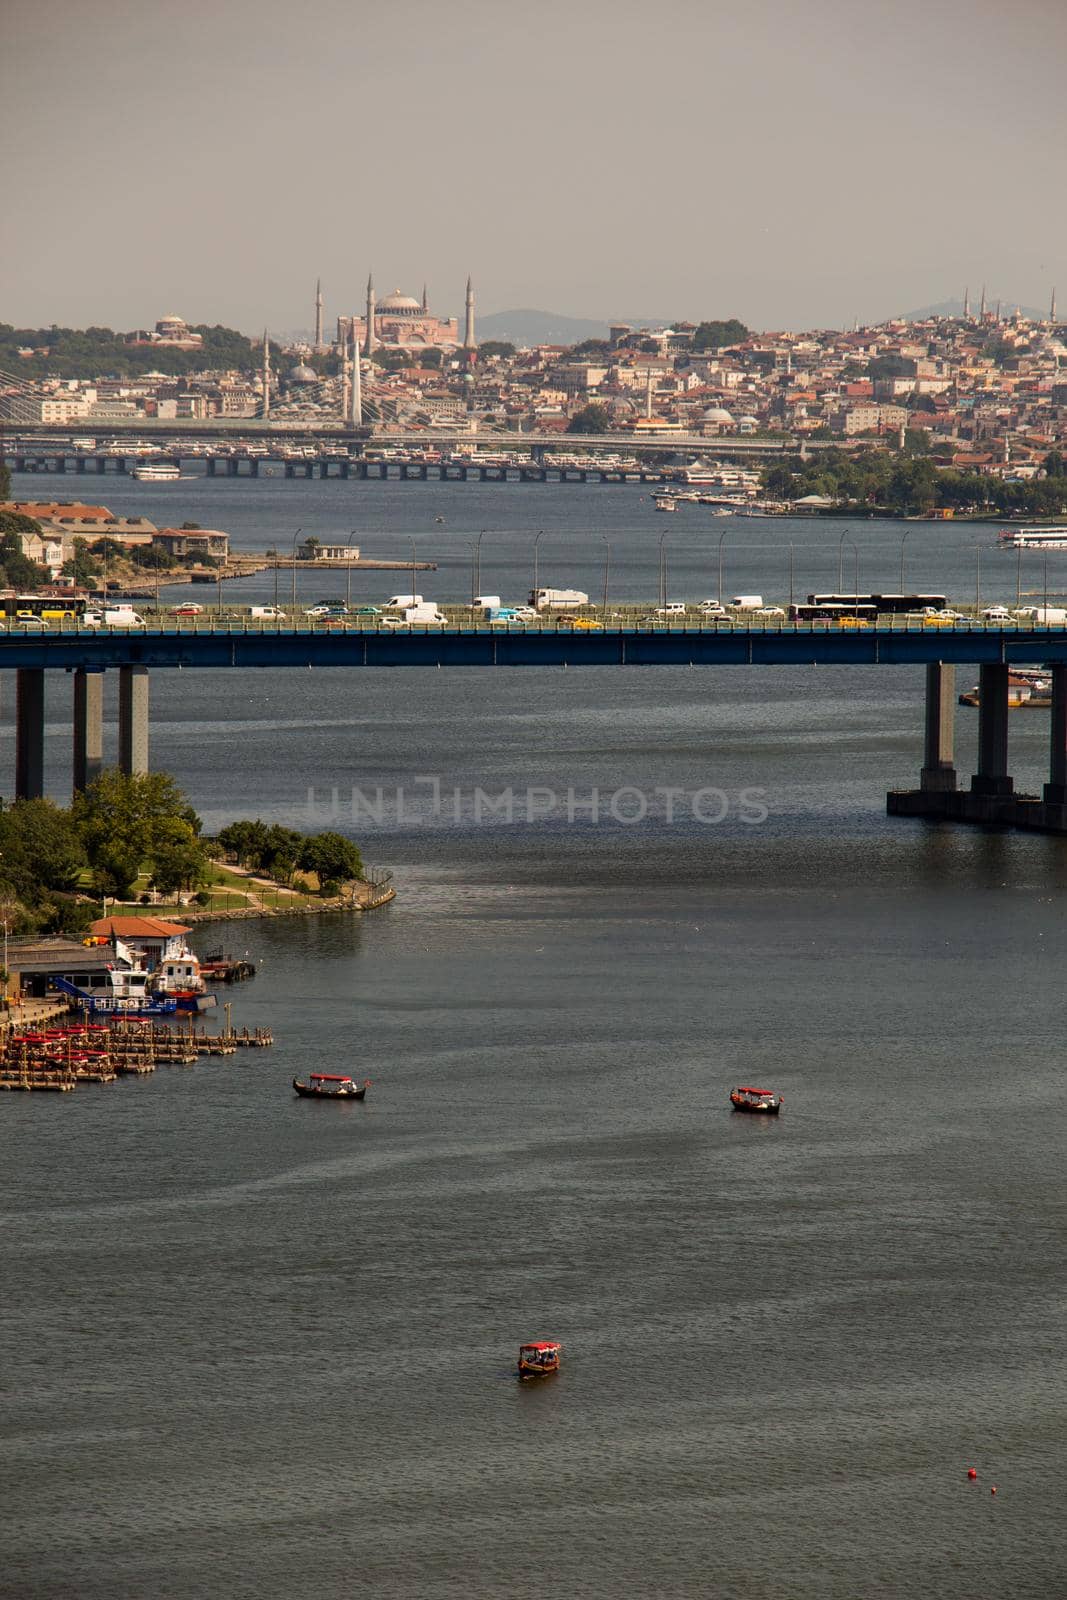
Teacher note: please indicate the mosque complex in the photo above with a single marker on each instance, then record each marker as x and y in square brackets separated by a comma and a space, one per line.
[399, 322]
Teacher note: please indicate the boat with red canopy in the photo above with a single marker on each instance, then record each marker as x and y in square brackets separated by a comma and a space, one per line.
[762, 1101]
[330, 1086]
[539, 1358]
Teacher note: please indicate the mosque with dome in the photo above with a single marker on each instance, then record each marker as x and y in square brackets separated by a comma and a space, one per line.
[400, 322]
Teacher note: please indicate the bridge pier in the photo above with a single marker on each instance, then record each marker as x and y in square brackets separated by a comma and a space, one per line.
[992, 778]
[938, 769]
[29, 733]
[88, 727]
[133, 719]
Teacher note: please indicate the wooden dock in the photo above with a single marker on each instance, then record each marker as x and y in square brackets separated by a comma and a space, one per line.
[57, 1058]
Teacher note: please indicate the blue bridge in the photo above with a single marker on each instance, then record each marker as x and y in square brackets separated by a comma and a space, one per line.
[87, 654]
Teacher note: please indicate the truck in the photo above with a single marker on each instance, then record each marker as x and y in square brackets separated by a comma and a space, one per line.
[1041, 614]
[557, 599]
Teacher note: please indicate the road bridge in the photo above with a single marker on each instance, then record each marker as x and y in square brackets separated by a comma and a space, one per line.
[87, 654]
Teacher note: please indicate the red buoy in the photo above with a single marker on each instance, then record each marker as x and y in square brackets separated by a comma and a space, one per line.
[972, 1473]
[993, 1490]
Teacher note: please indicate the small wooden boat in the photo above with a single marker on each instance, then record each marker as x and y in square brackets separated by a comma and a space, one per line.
[330, 1086]
[539, 1358]
[762, 1101]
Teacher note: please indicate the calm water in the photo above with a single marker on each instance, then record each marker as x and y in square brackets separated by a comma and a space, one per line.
[256, 1347]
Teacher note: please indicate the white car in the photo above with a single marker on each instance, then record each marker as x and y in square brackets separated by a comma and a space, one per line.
[769, 611]
[712, 608]
[674, 608]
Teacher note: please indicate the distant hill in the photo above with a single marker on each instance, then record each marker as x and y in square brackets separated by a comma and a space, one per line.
[550, 327]
[954, 308]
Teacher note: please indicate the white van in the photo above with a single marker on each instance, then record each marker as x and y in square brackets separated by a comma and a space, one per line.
[486, 602]
[747, 602]
[266, 613]
[400, 602]
[113, 617]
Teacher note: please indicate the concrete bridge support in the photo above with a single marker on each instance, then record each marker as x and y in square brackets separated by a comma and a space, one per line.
[938, 770]
[88, 727]
[133, 719]
[992, 777]
[29, 733]
[1055, 791]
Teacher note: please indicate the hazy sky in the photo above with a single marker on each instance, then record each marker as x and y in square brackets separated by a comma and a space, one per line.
[795, 163]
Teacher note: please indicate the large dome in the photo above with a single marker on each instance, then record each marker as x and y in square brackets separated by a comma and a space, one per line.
[303, 374]
[717, 414]
[397, 304]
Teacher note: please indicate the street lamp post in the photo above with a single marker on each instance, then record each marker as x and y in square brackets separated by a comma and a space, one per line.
[722, 537]
[840, 558]
[662, 571]
[474, 590]
[977, 579]
[296, 536]
[607, 575]
[791, 554]
[537, 541]
[348, 566]
[1019, 577]
[903, 542]
[478, 560]
[273, 553]
[414, 562]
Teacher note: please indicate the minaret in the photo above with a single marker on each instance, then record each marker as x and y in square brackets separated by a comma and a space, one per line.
[1052, 307]
[648, 395]
[981, 313]
[318, 316]
[345, 400]
[266, 374]
[996, 319]
[355, 415]
[369, 340]
[468, 332]
[967, 304]
[425, 302]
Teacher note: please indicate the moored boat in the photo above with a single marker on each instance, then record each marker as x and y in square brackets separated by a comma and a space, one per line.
[330, 1086]
[763, 1101]
[539, 1358]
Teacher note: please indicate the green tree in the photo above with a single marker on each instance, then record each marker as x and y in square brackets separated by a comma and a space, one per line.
[245, 841]
[591, 349]
[5, 480]
[495, 347]
[16, 569]
[127, 821]
[281, 852]
[331, 857]
[1054, 465]
[82, 566]
[39, 848]
[153, 557]
[718, 335]
[179, 860]
[594, 418]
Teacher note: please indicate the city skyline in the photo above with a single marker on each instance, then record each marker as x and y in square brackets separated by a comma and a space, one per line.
[793, 167]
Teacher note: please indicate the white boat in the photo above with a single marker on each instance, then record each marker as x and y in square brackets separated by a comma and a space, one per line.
[156, 472]
[1033, 539]
[666, 502]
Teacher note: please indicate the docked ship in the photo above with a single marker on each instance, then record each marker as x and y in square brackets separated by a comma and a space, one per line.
[156, 472]
[157, 949]
[1027, 686]
[1032, 539]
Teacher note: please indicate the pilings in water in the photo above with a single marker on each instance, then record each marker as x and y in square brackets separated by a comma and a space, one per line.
[991, 798]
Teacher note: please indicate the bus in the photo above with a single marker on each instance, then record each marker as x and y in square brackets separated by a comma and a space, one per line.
[868, 607]
[58, 607]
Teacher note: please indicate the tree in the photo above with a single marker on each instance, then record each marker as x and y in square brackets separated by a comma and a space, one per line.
[81, 566]
[717, 335]
[153, 557]
[5, 479]
[331, 857]
[1054, 465]
[281, 852]
[594, 418]
[39, 849]
[591, 348]
[179, 860]
[129, 821]
[495, 347]
[17, 569]
[245, 841]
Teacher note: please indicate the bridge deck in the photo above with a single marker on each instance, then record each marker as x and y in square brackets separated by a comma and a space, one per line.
[206, 644]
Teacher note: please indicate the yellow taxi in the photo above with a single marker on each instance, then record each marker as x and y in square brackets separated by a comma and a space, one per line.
[582, 624]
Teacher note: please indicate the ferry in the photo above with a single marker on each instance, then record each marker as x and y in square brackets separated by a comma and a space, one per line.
[1032, 539]
[763, 1102]
[156, 472]
[539, 1358]
[124, 993]
[665, 502]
